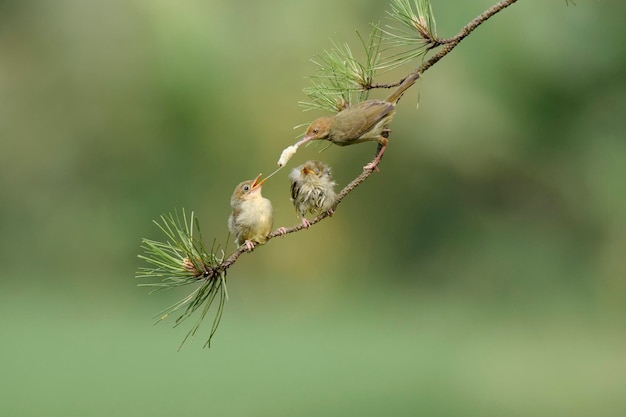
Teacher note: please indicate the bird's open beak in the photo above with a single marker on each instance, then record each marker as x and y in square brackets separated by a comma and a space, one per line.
[307, 171]
[257, 184]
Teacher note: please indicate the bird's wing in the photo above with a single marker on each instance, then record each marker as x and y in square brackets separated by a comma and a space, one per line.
[355, 121]
[294, 190]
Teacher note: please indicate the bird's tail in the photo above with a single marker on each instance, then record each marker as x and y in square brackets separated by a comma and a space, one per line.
[408, 82]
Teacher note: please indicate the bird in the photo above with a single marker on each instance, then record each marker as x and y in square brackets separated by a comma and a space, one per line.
[252, 217]
[365, 121]
[312, 189]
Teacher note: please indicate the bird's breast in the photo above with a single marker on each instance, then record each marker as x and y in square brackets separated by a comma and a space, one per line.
[256, 211]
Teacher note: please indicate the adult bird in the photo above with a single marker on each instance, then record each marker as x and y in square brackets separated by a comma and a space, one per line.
[365, 121]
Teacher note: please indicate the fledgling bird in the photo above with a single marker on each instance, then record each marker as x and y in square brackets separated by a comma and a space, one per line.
[253, 216]
[365, 121]
[312, 189]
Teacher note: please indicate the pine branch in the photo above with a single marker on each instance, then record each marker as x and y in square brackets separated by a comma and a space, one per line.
[450, 44]
[183, 259]
[340, 79]
[415, 37]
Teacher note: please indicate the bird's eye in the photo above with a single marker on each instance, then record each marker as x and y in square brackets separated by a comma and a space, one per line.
[246, 187]
[316, 131]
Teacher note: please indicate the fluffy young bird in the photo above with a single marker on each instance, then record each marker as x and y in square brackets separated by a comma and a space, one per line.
[365, 121]
[312, 189]
[253, 216]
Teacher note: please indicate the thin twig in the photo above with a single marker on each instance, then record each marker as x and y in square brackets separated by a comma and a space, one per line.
[375, 86]
[451, 43]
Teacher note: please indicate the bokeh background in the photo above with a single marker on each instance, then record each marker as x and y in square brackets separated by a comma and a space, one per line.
[480, 273]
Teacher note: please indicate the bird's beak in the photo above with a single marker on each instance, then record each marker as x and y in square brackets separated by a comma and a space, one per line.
[257, 184]
[304, 140]
[307, 171]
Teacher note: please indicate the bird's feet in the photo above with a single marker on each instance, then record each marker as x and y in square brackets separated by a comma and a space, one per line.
[372, 166]
[249, 245]
[330, 212]
[282, 231]
[382, 145]
[305, 223]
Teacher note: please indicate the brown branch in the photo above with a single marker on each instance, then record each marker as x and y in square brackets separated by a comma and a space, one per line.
[448, 46]
[451, 43]
[375, 86]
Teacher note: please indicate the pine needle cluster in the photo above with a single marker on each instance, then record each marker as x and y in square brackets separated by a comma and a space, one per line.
[183, 260]
[342, 79]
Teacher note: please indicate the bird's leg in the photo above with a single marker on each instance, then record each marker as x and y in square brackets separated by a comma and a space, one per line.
[249, 245]
[382, 145]
[305, 223]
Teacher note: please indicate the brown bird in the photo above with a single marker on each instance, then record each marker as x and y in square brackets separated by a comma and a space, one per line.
[312, 189]
[365, 121]
[253, 216]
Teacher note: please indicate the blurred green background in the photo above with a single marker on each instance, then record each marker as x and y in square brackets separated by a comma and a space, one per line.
[480, 273]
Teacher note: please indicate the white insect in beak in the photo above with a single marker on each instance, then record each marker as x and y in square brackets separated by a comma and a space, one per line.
[286, 155]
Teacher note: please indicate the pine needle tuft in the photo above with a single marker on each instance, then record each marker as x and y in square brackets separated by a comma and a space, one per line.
[182, 260]
[342, 79]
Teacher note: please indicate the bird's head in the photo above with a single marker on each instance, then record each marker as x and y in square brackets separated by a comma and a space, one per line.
[247, 190]
[319, 129]
[315, 168]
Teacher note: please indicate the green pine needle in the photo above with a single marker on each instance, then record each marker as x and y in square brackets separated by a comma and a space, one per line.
[416, 16]
[341, 79]
[417, 32]
[182, 260]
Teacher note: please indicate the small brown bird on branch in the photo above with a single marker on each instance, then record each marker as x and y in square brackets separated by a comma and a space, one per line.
[253, 216]
[312, 189]
[365, 121]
